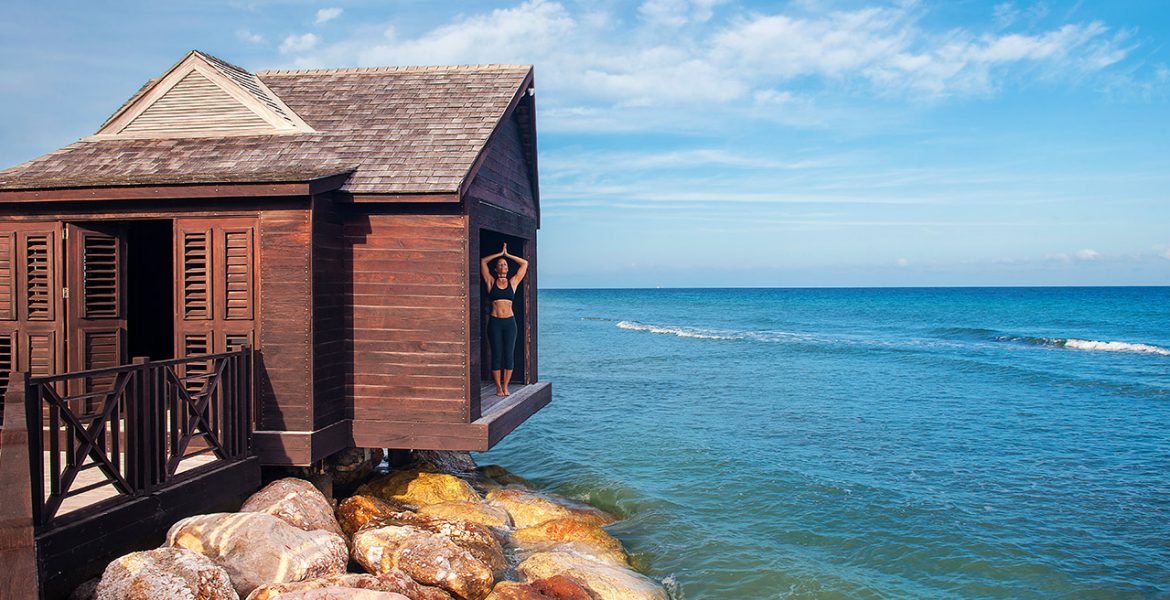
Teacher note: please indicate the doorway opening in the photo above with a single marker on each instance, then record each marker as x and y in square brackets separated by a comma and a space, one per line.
[490, 243]
[150, 328]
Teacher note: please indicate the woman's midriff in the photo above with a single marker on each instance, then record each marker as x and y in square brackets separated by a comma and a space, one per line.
[501, 309]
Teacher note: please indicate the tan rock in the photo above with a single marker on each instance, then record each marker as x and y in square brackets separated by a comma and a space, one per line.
[429, 558]
[472, 537]
[256, 548]
[164, 573]
[557, 587]
[296, 502]
[356, 512]
[393, 580]
[501, 476]
[476, 512]
[338, 593]
[604, 581]
[529, 508]
[558, 531]
[414, 488]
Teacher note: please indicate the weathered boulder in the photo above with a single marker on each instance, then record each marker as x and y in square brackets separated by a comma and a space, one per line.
[476, 512]
[356, 512]
[557, 587]
[415, 488]
[499, 476]
[256, 548]
[604, 581]
[296, 502]
[443, 461]
[475, 538]
[562, 530]
[429, 558]
[393, 580]
[164, 573]
[339, 593]
[353, 465]
[529, 508]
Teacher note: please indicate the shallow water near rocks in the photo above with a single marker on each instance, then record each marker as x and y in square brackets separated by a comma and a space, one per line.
[863, 443]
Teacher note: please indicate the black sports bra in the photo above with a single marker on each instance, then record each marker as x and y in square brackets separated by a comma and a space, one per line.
[504, 293]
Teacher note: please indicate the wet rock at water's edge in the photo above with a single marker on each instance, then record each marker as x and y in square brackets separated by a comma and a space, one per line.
[563, 530]
[529, 508]
[604, 581]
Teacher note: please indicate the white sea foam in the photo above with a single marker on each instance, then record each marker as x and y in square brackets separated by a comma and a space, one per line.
[1114, 346]
[687, 332]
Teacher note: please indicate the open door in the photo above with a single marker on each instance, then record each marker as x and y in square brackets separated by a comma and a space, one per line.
[31, 313]
[96, 298]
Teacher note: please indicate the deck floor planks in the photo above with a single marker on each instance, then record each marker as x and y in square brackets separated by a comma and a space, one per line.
[92, 476]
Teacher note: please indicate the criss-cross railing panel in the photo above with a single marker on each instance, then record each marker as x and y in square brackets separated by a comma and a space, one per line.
[138, 428]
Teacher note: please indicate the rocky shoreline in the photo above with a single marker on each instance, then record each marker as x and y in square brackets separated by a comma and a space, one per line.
[438, 528]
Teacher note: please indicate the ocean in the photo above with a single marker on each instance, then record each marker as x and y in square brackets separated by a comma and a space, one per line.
[865, 443]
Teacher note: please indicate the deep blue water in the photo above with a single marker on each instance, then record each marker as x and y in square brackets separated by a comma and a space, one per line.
[864, 443]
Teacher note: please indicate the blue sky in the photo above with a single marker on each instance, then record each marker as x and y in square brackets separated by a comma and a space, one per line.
[718, 143]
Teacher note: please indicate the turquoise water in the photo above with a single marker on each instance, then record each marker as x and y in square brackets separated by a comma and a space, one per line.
[865, 443]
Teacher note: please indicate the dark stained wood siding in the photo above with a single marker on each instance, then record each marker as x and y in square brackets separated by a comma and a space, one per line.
[503, 177]
[332, 347]
[408, 320]
[286, 386]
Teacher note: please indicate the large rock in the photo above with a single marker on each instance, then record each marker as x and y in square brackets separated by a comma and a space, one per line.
[494, 476]
[558, 531]
[164, 573]
[529, 508]
[296, 502]
[352, 465]
[476, 512]
[414, 488]
[339, 593]
[257, 549]
[342, 593]
[604, 581]
[356, 512]
[429, 558]
[475, 538]
[393, 580]
[443, 461]
[557, 587]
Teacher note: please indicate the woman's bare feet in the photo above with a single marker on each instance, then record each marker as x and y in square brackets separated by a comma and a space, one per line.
[502, 393]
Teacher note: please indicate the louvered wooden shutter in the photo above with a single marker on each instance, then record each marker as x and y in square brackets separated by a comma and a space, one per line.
[196, 274]
[237, 273]
[39, 253]
[101, 276]
[7, 276]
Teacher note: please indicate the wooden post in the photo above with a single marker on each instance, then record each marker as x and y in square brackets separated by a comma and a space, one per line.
[18, 553]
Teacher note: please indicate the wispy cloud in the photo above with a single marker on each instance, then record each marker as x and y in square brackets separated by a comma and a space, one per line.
[325, 15]
[299, 43]
[250, 37]
[1087, 254]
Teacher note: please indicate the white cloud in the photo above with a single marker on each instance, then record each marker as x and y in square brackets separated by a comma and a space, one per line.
[1087, 254]
[249, 37]
[1166, 254]
[325, 15]
[676, 13]
[1005, 14]
[299, 43]
[902, 262]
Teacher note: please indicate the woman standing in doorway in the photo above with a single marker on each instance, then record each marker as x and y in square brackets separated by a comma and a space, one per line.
[502, 323]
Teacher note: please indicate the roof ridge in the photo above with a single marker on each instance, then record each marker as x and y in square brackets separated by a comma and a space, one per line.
[375, 70]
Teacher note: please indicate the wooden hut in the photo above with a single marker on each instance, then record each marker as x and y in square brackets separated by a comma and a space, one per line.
[333, 220]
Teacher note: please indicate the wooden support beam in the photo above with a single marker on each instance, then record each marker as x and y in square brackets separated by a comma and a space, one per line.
[18, 577]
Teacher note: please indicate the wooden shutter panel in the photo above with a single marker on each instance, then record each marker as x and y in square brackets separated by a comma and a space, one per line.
[196, 275]
[39, 284]
[8, 277]
[101, 292]
[238, 274]
[7, 362]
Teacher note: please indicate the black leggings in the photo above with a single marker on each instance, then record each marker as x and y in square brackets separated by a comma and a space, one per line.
[502, 337]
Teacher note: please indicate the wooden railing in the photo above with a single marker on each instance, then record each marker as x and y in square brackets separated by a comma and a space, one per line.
[134, 424]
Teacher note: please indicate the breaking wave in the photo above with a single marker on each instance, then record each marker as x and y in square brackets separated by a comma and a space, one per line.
[687, 332]
[1090, 345]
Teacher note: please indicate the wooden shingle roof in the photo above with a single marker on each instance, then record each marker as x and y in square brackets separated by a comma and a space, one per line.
[400, 130]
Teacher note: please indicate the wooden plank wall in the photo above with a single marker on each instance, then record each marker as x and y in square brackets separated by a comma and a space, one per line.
[503, 178]
[332, 346]
[408, 319]
[286, 388]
